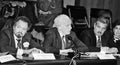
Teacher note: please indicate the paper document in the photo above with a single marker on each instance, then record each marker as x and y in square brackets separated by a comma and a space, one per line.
[45, 56]
[105, 56]
[7, 58]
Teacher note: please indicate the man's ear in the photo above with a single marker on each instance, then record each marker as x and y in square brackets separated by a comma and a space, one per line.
[13, 26]
[113, 30]
[29, 27]
[94, 25]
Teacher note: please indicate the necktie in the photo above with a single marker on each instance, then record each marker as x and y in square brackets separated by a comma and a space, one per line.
[63, 42]
[99, 42]
[19, 44]
[63, 46]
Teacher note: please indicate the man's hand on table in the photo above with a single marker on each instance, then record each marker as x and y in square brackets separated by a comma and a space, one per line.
[33, 50]
[112, 50]
[65, 51]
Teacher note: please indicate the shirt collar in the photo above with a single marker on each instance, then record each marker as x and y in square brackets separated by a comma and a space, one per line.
[61, 34]
[16, 37]
[97, 37]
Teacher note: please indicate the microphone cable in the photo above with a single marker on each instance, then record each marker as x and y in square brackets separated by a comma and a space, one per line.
[72, 60]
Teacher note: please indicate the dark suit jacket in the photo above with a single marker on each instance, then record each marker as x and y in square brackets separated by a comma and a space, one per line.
[53, 42]
[112, 43]
[7, 42]
[89, 38]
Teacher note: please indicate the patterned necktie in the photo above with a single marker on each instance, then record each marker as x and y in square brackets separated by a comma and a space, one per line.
[19, 44]
[63, 42]
[99, 42]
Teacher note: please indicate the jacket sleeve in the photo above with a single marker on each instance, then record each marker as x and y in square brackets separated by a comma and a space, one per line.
[5, 43]
[28, 37]
[86, 38]
[79, 44]
[49, 41]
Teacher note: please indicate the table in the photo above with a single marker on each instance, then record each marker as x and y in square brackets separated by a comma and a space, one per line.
[62, 62]
[78, 62]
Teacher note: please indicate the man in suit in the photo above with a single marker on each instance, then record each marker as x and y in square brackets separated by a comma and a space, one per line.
[115, 36]
[97, 38]
[15, 38]
[90, 36]
[60, 39]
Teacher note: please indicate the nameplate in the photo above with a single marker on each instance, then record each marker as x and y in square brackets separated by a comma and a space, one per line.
[45, 56]
[105, 56]
[7, 58]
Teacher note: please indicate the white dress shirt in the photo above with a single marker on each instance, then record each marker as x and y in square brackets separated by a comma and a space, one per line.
[16, 42]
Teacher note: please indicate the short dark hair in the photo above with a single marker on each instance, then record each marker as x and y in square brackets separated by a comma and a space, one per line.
[102, 12]
[23, 18]
[103, 20]
[117, 22]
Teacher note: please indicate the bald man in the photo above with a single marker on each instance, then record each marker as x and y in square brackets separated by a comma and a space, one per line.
[60, 39]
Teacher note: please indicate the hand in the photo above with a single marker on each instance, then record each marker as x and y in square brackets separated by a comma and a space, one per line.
[35, 50]
[65, 51]
[49, 12]
[29, 51]
[113, 50]
[43, 12]
[104, 49]
[117, 36]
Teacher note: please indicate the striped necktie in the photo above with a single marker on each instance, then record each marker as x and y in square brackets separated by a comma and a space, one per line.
[19, 44]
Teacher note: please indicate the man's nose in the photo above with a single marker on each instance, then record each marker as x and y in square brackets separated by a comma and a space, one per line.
[100, 30]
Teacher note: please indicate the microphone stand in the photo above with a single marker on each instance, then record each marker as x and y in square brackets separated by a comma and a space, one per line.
[72, 60]
[76, 53]
[25, 54]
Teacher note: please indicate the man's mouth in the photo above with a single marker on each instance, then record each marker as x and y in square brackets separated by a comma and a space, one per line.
[19, 35]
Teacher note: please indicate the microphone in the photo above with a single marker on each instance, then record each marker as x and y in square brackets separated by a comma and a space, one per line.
[76, 53]
[70, 38]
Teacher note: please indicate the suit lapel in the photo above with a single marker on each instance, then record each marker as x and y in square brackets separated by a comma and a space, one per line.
[104, 40]
[93, 37]
[12, 40]
[58, 39]
[69, 43]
